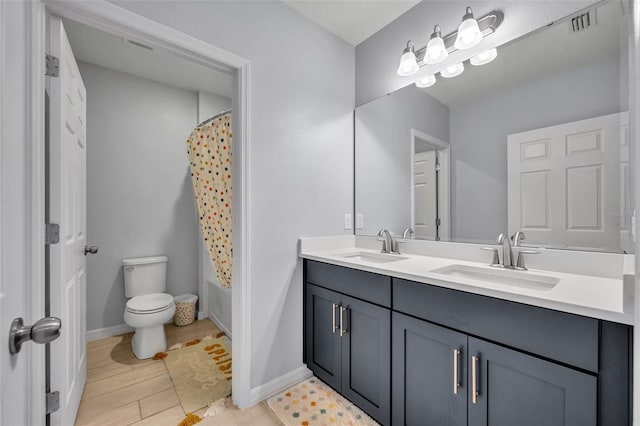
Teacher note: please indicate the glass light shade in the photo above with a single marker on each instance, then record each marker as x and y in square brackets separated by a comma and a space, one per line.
[484, 57]
[452, 71]
[436, 52]
[408, 64]
[469, 33]
[427, 81]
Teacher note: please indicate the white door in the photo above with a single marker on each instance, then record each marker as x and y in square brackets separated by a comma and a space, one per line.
[22, 385]
[564, 184]
[67, 207]
[425, 195]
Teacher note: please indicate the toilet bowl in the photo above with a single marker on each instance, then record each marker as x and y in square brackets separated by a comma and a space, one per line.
[148, 314]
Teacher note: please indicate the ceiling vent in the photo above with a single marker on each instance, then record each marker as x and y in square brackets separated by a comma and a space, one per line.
[583, 21]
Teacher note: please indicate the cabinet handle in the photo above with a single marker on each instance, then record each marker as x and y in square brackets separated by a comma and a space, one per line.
[342, 329]
[333, 317]
[456, 382]
[474, 379]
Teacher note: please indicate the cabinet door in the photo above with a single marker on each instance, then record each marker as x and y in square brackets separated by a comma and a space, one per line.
[518, 389]
[322, 340]
[366, 357]
[425, 369]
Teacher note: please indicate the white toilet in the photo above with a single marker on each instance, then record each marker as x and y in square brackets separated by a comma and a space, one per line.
[149, 308]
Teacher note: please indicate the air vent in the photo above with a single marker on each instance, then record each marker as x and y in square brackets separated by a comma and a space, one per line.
[583, 21]
[143, 46]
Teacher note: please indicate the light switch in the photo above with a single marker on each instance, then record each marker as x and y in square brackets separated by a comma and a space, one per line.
[348, 222]
[359, 221]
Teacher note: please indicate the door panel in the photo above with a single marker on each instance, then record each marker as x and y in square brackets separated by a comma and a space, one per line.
[366, 357]
[323, 343]
[423, 377]
[518, 389]
[67, 175]
[425, 193]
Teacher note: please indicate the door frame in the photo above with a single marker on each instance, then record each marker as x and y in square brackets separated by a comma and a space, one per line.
[116, 20]
[444, 196]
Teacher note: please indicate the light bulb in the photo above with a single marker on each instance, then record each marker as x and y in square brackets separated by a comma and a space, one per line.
[452, 71]
[436, 52]
[427, 81]
[469, 33]
[408, 62]
[484, 57]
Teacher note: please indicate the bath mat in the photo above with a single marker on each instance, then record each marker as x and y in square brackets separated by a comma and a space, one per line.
[313, 403]
[200, 370]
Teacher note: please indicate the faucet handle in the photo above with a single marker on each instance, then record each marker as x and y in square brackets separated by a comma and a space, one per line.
[520, 261]
[384, 245]
[496, 259]
[396, 247]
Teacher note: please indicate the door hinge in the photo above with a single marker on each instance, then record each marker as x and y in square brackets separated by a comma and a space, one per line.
[53, 402]
[51, 66]
[52, 233]
[438, 222]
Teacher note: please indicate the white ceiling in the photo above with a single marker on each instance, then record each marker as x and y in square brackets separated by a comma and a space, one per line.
[352, 20]
[110, 51]
[549, 51]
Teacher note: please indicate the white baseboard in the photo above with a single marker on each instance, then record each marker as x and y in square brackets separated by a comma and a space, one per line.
[202, 315]
[214, 319]
[278, 385]
[99, 333]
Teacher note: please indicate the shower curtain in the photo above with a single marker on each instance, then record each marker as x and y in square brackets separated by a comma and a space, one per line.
[209, 148]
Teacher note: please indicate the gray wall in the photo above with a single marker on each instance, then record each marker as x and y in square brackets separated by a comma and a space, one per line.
[301, 175]
[377, 57]
[383, 155]
[139, 196]
[479, 133]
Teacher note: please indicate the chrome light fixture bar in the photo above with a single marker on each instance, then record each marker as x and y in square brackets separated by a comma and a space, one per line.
[487, 24]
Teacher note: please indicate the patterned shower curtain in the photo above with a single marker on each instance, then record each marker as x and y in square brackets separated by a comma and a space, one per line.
[209, 148]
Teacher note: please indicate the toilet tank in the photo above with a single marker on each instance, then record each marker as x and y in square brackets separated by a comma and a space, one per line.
[145, 275]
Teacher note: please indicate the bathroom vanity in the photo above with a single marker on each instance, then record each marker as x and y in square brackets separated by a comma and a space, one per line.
[453, 351]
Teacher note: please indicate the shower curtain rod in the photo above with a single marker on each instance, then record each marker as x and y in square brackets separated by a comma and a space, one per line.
[214, 117]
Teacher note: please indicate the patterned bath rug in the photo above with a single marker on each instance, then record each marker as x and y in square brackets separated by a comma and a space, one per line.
[200, 370]
[313, 403]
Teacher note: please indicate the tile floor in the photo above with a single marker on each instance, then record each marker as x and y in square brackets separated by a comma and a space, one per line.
[123, 390]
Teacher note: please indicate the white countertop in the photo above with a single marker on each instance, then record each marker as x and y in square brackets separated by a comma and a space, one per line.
[587, 295]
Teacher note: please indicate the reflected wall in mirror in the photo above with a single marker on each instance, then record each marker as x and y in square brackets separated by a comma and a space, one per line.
[535, 141]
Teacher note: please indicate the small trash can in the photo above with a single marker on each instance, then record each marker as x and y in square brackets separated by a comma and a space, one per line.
[185, 309]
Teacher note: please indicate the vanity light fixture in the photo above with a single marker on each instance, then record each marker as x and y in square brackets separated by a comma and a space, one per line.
[408, 62]
[484, 57]
[469, 33]
[436, 52]
[465, 37]
[427, 81]
[453, 71]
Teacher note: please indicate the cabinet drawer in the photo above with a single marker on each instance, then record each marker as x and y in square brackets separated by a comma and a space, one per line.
[362, 285]
[559, 336]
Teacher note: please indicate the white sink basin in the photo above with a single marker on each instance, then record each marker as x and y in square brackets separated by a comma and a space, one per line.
[372, 257]
[509, 277]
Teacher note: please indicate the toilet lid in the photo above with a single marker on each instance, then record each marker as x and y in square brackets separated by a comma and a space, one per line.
[150, 302]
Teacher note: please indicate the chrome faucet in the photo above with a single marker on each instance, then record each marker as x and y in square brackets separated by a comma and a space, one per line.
[387, 241]
[507, 251]
[517, 238]
[408, 233]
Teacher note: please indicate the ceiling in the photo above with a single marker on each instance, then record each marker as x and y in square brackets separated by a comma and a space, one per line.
[352, 20]
[119, 54]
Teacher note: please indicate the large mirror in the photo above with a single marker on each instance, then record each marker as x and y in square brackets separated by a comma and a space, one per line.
[534, 141]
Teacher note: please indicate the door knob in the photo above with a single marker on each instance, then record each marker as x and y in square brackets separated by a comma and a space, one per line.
[43, 331]
[92, 250]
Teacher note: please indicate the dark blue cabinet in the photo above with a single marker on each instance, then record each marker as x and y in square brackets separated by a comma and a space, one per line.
[510, 388]
[348, 346]
[410, 353]
[429, 383]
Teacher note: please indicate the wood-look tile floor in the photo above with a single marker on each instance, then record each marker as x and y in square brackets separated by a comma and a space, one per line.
[123, 390]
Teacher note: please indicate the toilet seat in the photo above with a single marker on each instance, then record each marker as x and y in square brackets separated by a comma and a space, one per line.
[150, 303]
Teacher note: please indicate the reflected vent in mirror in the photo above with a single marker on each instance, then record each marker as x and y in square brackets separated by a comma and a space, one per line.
[583, 21]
